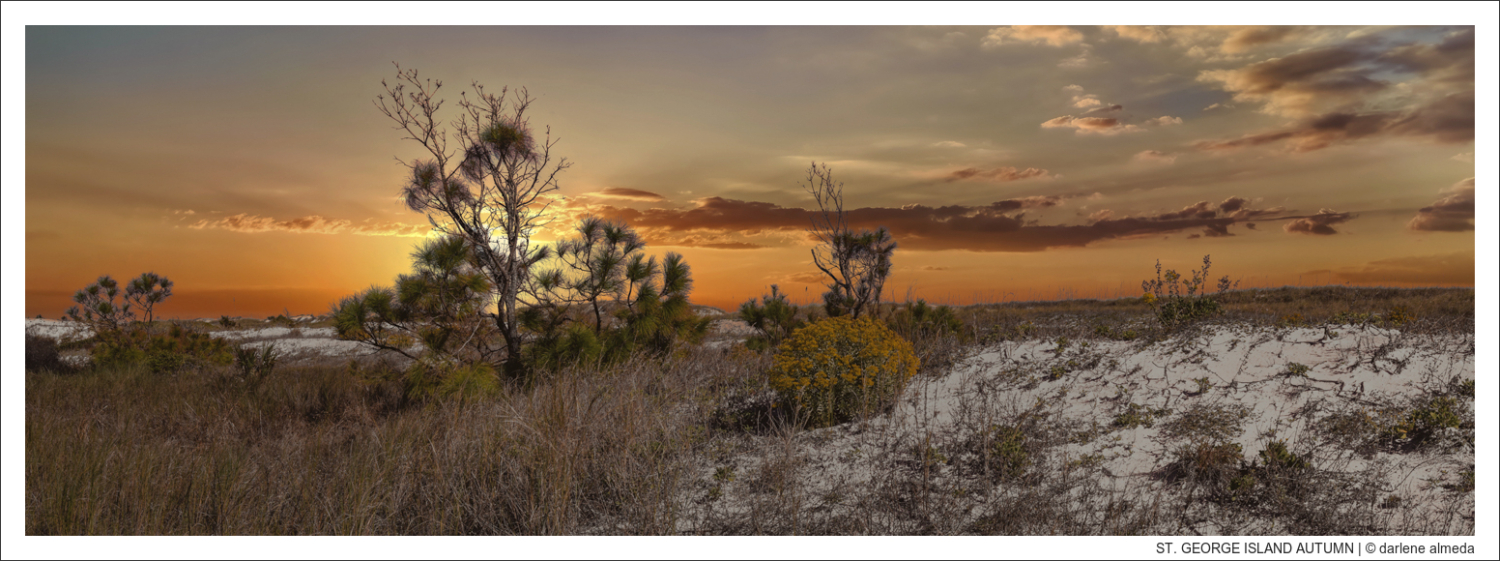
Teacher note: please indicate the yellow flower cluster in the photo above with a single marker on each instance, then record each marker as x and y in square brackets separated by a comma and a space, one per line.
[836, 369]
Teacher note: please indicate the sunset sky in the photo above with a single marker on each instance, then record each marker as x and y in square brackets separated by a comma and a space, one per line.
[249, 165]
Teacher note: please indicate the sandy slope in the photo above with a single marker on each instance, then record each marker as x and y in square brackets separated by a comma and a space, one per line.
[1247, 367]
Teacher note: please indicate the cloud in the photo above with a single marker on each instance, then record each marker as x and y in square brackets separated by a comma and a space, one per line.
[1000, 174]
[1139, 33]
[1154, 157]
[1467, 157]
[1107, 126]
[1447, 120]
[1216, 231]
[1297, 85]
[1042, 201]
[1002, 226]
[1443, 269]
[1359, 89]
[1452, 213]
[1244, 39]
[1320, 224]
[1452, 60]
[314, 224]
[805, 277]
[1082, 60]
[1086, 101]
[1232, 204]
[950, 144]
[1054, 35]
[1098, 121]
[625, 193]
[1105, 110]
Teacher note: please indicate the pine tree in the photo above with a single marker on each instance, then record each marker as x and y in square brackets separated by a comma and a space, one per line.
[147, 291]
[97, 308]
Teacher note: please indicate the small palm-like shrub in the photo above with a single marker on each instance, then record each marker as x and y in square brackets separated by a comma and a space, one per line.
[256, 364]
[837, 369]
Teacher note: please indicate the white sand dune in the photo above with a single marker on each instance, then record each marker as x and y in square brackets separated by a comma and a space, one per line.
[1247, 368]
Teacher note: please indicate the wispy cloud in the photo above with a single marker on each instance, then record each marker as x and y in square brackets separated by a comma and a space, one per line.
[1054, 35]
[314, 224]
[625, 193]
[1000, 174]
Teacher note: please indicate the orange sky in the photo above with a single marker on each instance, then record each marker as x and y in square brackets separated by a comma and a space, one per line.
[249, 165]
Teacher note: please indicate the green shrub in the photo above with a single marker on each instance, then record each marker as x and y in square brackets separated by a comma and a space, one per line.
[774, 319]
[1466, 388]
[1008, 451]
[917, 319]
[161, 352]
[1399, 316]
[439, 380]
[1110, 332]
[472, 382]
[1290, 320]
[1176, 302]
[1423, 422]
[255, 365]
[1139, 416]
[570, 346]
[838, 368]
[1296, 369]
[1277, 458]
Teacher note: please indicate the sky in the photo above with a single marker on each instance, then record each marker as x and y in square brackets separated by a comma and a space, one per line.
[251, 166]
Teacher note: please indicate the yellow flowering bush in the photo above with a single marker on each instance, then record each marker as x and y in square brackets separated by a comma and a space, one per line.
[835, 369]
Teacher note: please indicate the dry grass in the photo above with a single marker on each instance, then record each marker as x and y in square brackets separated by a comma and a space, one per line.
[338, 449]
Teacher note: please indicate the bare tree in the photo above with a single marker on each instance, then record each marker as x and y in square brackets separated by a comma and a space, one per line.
[857, 263]
[488, 188]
